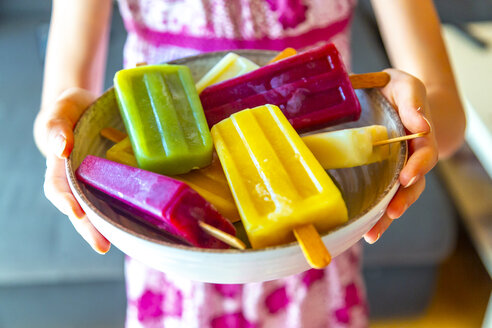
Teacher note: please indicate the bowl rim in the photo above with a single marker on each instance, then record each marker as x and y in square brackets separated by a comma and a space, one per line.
[76, 188]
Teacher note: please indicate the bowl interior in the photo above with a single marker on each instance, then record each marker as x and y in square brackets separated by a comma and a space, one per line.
[362, 187]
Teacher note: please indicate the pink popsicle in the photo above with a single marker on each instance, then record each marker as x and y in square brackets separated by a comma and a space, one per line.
[312, 89]
[164, 203]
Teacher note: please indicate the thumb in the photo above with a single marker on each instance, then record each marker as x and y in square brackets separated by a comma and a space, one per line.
[60, 122]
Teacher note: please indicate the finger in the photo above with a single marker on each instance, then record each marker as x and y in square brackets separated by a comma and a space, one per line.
[404, 198]
[61, 120]
[57, 189]
[378, 229]
[58, 192]
[90, 234]
[423, 157]
[398, 205]
[408, 95]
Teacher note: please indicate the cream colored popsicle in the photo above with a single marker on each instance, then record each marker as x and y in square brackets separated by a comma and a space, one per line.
[348, 147]
[230, 66]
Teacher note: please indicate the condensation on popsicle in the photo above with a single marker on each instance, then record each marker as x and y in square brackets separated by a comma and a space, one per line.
[277, 183]
[164, 118]
[312, 89]
[348, 147]
[162, 202]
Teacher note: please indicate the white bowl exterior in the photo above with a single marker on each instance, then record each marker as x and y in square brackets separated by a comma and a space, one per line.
[236, 267]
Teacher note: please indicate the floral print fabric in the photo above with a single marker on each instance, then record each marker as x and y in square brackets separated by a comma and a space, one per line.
[163, 30]
[332, 297]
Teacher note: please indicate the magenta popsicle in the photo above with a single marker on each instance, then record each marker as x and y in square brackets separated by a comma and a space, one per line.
[164, 203]
[312, 89]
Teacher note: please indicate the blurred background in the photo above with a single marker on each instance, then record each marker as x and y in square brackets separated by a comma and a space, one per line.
[431, 269]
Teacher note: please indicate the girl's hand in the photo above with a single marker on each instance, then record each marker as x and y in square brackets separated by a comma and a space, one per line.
[54, 136]
[408, 95]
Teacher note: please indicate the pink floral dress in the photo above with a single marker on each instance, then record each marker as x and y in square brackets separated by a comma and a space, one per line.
[162, 30]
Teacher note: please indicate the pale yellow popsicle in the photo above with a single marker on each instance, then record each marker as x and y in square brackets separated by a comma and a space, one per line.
[277, 183]
[122, 152]
[349, 147]
[209, 182]
[230, 66]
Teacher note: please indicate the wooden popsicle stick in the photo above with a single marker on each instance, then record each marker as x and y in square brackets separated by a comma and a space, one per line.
[287, 52]
[398, 139]
[229, 239]
[369, 80]
[113, 134]
[312, 246]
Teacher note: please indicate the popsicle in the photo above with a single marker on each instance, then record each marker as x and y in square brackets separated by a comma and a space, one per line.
[164, 118]
[122, 152]
[348, 147]
[209, 182]
[162, 202]
[334, 150]
[231, 65]
[312, 89]
[276, 181]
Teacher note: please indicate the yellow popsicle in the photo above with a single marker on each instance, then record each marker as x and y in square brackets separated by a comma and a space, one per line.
[276, 181]
[230, 66]
[209, 182]
[122, 152]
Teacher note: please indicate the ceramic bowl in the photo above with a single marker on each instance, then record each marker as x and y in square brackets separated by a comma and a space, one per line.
[367, 191]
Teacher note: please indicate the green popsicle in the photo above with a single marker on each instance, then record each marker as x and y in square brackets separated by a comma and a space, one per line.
[164, 118]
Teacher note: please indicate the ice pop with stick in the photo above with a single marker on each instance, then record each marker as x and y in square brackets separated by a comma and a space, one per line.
[312, 89]
[162, 202]
[278, 185]
[334, 149]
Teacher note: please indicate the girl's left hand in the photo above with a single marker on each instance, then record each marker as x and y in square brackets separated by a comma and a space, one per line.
[408, 95]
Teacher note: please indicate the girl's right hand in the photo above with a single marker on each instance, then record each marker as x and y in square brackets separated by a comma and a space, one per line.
[54, 136]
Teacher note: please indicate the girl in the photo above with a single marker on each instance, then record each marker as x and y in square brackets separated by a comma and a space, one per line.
[159, 31]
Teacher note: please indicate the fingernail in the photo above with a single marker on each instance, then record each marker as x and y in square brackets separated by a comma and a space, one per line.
[428, 123]
[101, 251]
[411, 182]
[60, 145]
[79, 213]
[372, 241]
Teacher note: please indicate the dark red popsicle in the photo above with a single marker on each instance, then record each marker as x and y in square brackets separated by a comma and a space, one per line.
[312, 89]
[164, 203]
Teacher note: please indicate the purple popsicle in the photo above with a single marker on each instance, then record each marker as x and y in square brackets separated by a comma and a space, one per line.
[162, 202]
[312, 89]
